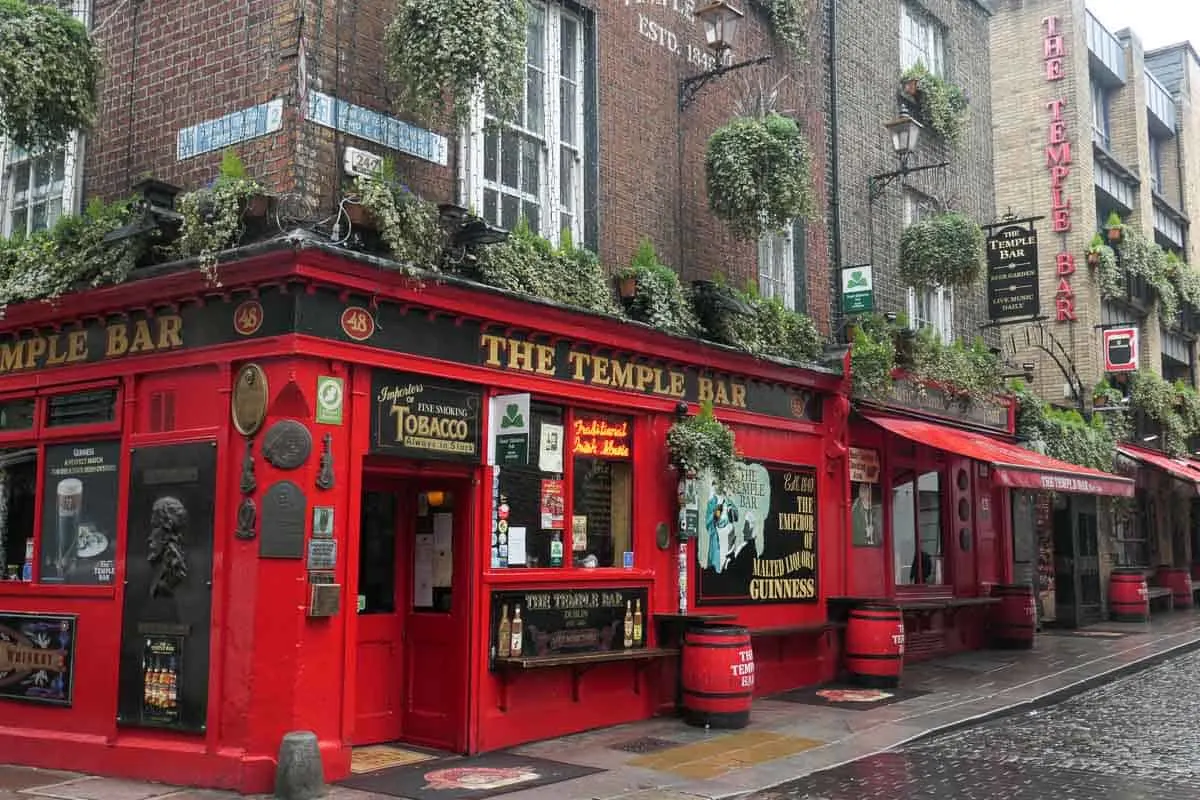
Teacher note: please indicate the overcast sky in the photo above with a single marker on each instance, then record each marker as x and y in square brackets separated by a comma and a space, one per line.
[1156, 22]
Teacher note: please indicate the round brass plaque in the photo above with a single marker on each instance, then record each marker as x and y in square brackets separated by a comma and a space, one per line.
[249, 399]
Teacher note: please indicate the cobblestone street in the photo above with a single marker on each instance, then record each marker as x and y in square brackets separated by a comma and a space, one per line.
[1135, 739]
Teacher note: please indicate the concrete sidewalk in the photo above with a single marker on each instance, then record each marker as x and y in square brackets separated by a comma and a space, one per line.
[664, 759]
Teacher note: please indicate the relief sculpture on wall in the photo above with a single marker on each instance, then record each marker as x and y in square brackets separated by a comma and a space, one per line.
[168, 520]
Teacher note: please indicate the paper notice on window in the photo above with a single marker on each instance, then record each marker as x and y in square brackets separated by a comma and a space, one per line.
[516, 547]
[443, 550]
[550, 449]
[579, 532]
[423, 571]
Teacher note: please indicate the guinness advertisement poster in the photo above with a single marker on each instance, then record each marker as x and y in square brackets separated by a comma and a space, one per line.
[79, 513]
[414, 417]
[37, 657]
[1012, 273]
[758, 539]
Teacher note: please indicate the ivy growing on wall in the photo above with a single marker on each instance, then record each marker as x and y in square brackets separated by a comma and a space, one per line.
[1064, 433]
[658, 297]
[788, 21]
[48, 73]
[942, 104]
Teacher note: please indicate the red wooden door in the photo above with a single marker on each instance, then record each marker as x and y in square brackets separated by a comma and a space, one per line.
[379, 681]
[437, 618]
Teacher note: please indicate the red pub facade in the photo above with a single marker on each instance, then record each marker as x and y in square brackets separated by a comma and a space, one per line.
[330, 497]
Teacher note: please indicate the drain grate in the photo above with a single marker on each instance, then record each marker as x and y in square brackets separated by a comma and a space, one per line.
[646, 744]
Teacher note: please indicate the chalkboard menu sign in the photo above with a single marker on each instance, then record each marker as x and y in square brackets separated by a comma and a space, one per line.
[550, 622]
[415, 417]
[758, 538]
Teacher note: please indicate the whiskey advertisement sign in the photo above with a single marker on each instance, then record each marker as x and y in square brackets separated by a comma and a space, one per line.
[37, 657]
[549, 622]
[758, 538]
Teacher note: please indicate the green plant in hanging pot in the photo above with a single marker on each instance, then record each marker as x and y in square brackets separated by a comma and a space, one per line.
[942, 250]
[788, 19]
[444, 52]
[1114, 228]
[942, 105]
[407, 223]
[49, 68]
[757, 174]
[214, 218]
[1103, 259]
[702, 444]
[652, 294]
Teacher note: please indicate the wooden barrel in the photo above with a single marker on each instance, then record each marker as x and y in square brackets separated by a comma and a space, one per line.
[1014, 618]
[1128, 598]
[875, 646]
[1179, 581]
[717, 676]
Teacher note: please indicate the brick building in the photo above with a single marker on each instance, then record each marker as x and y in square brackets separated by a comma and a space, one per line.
[1088, 123]
[630, 165]
[873, 42]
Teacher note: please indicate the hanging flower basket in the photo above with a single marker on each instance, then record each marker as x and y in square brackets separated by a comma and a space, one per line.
[49, 68]
[757, 174]
[627, 286]
[702, 444]
[941, 104]
[943, 250]
[1115, 228]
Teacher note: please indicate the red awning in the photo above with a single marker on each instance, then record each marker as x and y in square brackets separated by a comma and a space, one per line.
[1014, 466]
[1183, 469]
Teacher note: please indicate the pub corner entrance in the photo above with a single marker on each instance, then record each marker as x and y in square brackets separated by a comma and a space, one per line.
[413, 612]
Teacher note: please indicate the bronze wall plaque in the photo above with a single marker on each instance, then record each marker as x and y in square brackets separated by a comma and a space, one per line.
[250, 397]
[325, 599]
[284, 517]
[287, 444]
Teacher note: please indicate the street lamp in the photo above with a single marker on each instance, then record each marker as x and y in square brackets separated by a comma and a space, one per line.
[721, 23]
[906, 135]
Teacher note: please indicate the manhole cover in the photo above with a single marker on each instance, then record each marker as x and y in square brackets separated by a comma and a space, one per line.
[646, 744]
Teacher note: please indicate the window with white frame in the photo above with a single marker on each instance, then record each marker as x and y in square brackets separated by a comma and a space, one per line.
[777, 266]
[1100, 98]
[533, 167]
[38, 188]
[931, 307]
[921, 40]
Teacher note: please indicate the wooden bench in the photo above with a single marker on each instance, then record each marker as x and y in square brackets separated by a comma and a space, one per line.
[579, 663]
[1161, 596]
[781, 632]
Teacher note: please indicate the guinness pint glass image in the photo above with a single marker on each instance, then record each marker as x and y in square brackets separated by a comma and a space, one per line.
[70, 504]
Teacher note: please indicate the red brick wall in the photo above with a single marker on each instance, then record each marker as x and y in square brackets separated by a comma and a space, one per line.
[173, 66]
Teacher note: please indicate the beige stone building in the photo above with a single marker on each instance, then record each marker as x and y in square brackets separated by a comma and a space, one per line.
[1086, 123]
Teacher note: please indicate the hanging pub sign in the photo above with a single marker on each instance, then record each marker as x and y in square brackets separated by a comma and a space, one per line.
[858, 289]
[415, 417]
[1121, 350]
[37, 657]
[1012, 273]
[758, 539]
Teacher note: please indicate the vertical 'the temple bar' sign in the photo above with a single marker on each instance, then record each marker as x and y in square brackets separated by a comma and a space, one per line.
[1058, 162]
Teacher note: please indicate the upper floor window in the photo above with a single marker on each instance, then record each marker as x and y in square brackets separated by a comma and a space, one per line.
[38, 188]
[933, 306]
[921, 40]
[777, 266]
[1156, 162]
[1100, 115]
[533, 167]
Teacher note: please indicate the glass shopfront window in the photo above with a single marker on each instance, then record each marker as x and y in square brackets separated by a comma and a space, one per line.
[570, 505]
[67, 534]
[917, 542]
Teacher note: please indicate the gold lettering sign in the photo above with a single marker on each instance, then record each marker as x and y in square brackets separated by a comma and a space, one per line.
[127, 338]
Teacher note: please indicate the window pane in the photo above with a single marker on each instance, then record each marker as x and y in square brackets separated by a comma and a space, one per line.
[535, 505]
[491, 154]
[904, 539]
[20, 223]
[18, 507]
[566, 112]
[510, 155]
[930, 521]
[377, 554]
[38, 221]
[535, 33]
[510, 211]
[533, 215]
[569, 48]
[535, 102]
[531, 172]
[566, 179]
[603, 490]
[21, 182]
[491, 200]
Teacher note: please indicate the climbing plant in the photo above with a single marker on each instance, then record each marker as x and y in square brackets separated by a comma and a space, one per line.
[658, 297]
[49, 67]
[1064, 433]
[788, 18]
[942, 105]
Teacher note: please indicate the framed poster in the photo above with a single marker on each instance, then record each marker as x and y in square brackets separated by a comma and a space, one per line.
[37, 657]
[758, 538]
[79, 513]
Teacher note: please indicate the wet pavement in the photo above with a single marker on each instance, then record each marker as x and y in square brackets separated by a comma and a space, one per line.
[1135, 739]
